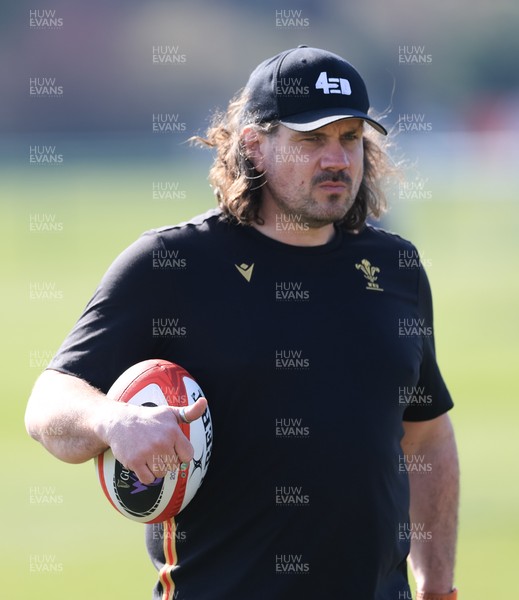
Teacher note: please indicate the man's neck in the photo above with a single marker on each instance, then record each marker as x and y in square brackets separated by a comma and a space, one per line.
[296, 234]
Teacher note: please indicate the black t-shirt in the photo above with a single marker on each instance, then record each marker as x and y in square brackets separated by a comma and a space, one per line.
[310, 358]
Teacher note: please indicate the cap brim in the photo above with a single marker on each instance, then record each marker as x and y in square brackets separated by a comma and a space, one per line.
[314, 120]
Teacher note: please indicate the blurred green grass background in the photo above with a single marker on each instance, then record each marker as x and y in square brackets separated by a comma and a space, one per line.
[470, 244]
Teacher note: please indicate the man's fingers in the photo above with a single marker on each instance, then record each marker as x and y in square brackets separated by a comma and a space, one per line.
[159, 465]
[166, 451]
[190, 413]
[145, 475]
[184, 449]
[194, 411]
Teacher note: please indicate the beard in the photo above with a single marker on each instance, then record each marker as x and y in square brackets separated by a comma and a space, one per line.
[313, 213]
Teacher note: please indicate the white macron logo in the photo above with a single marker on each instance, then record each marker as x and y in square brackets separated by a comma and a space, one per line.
[333, 85]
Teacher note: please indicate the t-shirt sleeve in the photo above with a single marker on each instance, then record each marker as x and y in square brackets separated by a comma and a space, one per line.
[431, 398]
[115, 330]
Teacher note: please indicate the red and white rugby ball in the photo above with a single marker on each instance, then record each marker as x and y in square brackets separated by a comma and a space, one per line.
[157, 382]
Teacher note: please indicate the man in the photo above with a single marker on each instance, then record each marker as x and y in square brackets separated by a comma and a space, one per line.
[314, 347]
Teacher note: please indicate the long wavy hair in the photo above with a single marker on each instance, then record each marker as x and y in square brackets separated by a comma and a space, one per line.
[237, 184]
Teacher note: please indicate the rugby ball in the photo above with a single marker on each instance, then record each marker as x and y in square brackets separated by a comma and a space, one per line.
[154, 383]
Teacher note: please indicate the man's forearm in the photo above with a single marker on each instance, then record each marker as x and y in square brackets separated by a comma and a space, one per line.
[60, 416]
[434, 509]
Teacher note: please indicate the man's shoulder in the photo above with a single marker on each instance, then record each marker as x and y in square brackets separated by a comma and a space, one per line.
[387, 238]
[197, 231]
[392, 251]
[209, 221]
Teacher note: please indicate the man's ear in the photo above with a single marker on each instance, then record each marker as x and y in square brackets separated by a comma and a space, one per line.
[251, 140]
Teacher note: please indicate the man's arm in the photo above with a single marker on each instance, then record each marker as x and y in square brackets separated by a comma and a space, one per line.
[75, 422]
[434, 502]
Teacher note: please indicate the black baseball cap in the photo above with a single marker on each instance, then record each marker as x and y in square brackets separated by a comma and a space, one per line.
[306, 88]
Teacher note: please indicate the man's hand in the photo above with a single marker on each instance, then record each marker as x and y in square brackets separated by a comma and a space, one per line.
[148, 440]
[76, 422]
